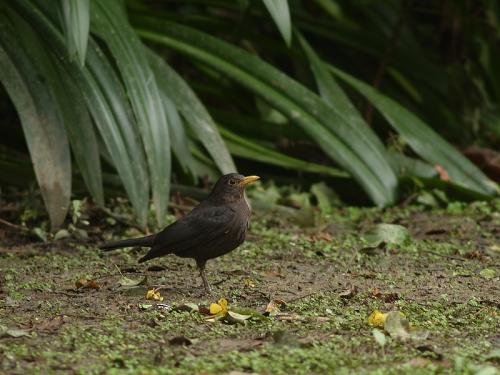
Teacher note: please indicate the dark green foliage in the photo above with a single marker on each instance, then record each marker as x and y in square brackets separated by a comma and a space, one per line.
[84, 84]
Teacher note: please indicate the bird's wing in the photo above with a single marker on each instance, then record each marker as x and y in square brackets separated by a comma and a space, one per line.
[201, 225]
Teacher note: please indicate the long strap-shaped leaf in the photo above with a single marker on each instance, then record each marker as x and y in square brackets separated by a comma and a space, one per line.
[42, 124]
[105, 99]
[280, 12]
[76, 21]
[195, 113]
[251, 150]
[110, 22]
[424, 140]
[70, 105]
[365, 161]
[113, 117]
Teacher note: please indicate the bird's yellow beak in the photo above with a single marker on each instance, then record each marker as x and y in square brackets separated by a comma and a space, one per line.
[248, 180]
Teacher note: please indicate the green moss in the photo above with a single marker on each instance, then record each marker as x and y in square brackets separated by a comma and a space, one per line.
[430, 279]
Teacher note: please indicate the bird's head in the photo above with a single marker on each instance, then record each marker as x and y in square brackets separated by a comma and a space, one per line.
[231, 187]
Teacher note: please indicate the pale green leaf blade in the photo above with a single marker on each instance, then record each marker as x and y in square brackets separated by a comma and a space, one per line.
[178, 135]
[110, 109]
[70, 104]
[423, 139]
[333, 132]
[193, 110]
[335, 97]
[109, 21]
[106, 100]
[41, 122]
[76, 22]
[248, 149]
[280, 12]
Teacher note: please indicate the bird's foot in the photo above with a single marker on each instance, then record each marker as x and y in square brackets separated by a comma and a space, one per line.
[207, 288]
[206, 285]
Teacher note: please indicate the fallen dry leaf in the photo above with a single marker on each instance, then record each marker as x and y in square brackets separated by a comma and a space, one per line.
[127, 282]
[386, 297]
[272, 307]
[13, 332]
[87, 284]
[180, 340]
[390, 297]
[321, 236]
[235, 318]
[51, 325]
[476, 255]
[349, 292]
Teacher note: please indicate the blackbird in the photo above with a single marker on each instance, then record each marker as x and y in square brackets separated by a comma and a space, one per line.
[213, 228]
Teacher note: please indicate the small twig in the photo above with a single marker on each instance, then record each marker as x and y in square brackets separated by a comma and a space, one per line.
[118, 268]
[302, 296]
[445, 255]
[15, 226]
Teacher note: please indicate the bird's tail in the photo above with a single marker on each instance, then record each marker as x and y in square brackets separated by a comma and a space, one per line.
[141, 241]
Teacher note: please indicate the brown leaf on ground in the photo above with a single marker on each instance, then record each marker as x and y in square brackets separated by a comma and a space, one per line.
[390, 297]
[180, 341]
[51, 325]
[87, 284]
[476, 255]
[386, 297]
[321, 236]
[350, 292]
[273, 307]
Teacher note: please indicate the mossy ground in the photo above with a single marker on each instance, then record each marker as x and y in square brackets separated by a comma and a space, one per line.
[330, 287]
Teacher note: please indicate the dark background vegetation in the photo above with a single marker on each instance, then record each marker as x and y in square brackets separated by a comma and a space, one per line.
[378, 99]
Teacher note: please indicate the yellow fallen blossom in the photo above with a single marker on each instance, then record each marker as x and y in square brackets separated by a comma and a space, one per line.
[219, 308]
[377, 319]
[154, 294]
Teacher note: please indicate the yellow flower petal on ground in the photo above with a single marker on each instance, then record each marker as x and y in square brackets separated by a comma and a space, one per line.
[219, 308]
[223, 303]
[154, 294]
[215, 308]
[377, 319]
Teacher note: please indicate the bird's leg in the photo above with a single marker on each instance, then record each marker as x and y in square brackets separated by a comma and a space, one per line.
[201, 266]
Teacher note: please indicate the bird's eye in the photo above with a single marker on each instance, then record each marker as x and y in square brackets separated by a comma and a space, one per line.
[232, 182]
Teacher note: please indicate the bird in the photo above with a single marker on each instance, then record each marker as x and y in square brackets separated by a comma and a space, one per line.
[216, 226]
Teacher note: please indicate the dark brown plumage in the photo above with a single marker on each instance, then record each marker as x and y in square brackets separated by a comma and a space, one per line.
[213, 228]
